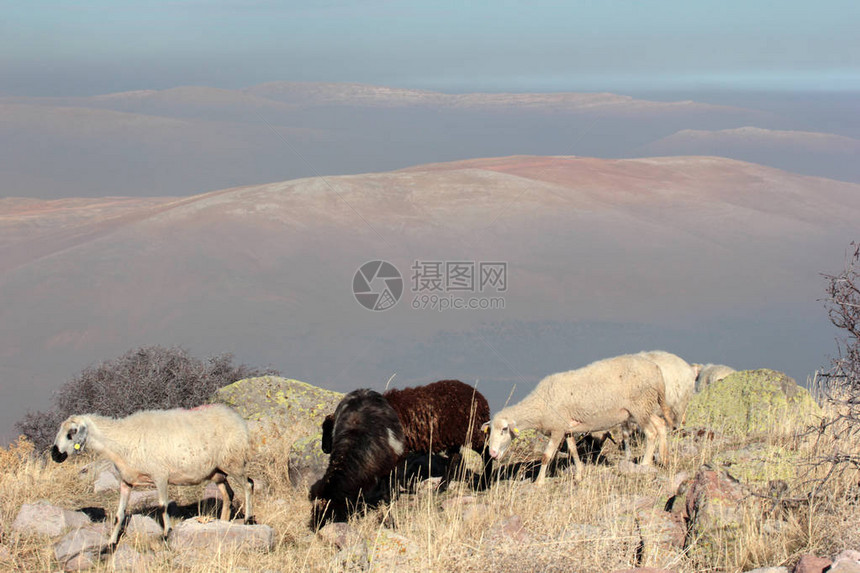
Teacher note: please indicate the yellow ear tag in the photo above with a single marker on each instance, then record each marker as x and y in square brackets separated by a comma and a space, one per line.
[77, 446]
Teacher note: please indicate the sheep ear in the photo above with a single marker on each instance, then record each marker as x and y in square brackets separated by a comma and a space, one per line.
[485, 427]
[515, 432]
[80, 437]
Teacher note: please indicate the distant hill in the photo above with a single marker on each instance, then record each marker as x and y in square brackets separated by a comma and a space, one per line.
[811, 153]
[712, 258]
[192, 139]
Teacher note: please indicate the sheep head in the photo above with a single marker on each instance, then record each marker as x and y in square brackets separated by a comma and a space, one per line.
[502, 432]
[70, 439]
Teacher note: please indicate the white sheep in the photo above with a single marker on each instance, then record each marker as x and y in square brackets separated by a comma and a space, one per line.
[679, 378]
[710, 373]
[161, 447]
[594, 398]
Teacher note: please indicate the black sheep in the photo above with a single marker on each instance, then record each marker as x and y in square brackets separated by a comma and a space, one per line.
[442, 417]
[365, 439]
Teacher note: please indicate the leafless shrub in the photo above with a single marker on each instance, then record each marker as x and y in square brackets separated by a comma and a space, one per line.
[840, 385]
[148, 377]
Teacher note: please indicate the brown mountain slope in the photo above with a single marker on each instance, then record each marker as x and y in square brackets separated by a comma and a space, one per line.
[716, 247]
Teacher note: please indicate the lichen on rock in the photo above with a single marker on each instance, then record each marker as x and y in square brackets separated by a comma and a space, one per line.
[753, 402]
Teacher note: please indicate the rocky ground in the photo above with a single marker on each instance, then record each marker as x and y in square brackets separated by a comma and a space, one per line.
[742, 491]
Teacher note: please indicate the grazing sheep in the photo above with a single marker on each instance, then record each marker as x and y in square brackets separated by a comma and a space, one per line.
[710, 373]
[365, 440]
[594, 398]
[161, 447]
[679, 378]
[442, 417]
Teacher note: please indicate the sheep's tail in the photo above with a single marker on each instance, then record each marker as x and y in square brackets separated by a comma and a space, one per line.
[667, 411]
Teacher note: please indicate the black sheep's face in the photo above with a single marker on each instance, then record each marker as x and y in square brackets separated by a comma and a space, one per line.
[71, 439]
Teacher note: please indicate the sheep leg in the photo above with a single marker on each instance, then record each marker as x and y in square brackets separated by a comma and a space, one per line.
[548, 454]
[163, 502]
[655, 431]
[226, 499]
[662, 430]
[571, 450]
[248, 485]
[124, 494]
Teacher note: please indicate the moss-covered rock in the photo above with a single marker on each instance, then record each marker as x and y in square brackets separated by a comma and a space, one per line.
[288, 412]
[753, 402]
[286, 403]
[759, 463]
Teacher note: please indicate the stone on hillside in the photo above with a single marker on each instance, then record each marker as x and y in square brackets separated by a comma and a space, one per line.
[663, 535]
[46, 519]
[812, 564]
[285, 402]
[644, 570]
[127, 559]
[80, 549]
[339, 534]
[306, 462]
[220, 535]
[352, 558]
[715, 508]
[844, 566]
[759, 463]
[142, 499]
[106, 481]
[143, 525]
[391, 552]
[761, 402]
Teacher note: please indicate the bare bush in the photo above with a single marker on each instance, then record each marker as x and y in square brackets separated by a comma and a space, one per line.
[148, 377]
[840, 385]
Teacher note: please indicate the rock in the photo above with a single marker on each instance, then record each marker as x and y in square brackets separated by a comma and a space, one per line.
[80, 549]
[143, 525]
[93, 469]
[341, 535]
[352, 558]
[456, 502]
[644, 570]
[844, 566]
[283, 401]
[391, 551]
[847, 555]
[46, 519]
[753, 402]
[106, 481]
[306, 462]
[759, 463]
[509, 529]
[142, 499]
[127, 559]
[811, 564]
[218, 535]
[714, 507]
[663, 535]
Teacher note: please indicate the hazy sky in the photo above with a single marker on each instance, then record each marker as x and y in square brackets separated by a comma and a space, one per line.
[62, 47]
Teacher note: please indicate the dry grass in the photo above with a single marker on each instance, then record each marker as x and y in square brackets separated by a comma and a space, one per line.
[569, 525]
